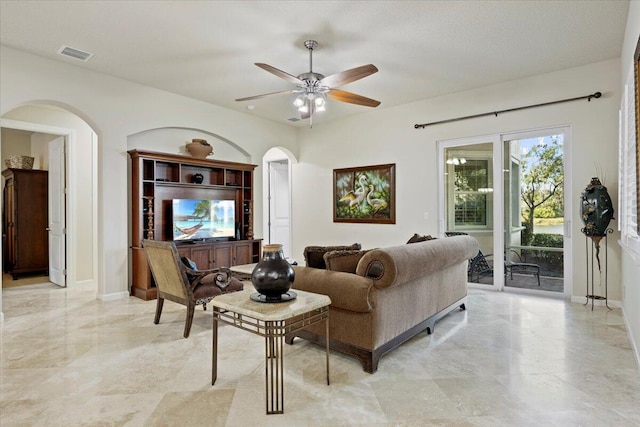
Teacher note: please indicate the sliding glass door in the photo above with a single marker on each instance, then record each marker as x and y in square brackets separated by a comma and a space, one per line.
[507, 191]
[468, 202]
[535, 210]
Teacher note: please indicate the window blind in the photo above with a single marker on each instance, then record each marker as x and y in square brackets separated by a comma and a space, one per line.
[628, 210]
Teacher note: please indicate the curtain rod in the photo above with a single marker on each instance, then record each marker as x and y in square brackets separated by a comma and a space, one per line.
[495, 113]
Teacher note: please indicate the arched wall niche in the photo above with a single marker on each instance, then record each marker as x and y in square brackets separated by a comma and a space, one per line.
[172, 139]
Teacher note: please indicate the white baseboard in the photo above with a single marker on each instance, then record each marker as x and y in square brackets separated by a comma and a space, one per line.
[112, 297]
[88, 282]
[596, 303]
[634, 345]
[1, 316]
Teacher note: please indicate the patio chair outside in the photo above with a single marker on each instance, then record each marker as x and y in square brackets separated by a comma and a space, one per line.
[520, 267]
[479, 266]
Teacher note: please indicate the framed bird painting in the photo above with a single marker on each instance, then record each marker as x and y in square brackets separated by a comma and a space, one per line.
[365, 194]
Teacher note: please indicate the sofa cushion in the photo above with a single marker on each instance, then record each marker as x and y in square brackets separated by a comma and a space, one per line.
[343, 260]
[418, 238]
[314, 255]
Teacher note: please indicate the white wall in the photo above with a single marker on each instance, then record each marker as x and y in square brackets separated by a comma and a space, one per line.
[116, 109]
[14, 142]
[40, 150]
[631, 261]
[388, 136]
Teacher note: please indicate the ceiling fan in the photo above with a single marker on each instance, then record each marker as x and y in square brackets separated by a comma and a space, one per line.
[312, 89]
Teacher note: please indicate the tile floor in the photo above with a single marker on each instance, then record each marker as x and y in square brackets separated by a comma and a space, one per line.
[68, 359]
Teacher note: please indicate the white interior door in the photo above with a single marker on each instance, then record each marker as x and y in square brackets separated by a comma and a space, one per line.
[279, 224]
[57, 214]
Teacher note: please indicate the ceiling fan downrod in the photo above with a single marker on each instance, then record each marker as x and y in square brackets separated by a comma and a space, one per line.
[310, 44]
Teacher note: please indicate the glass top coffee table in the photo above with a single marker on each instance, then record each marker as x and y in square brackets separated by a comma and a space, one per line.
[273, 321]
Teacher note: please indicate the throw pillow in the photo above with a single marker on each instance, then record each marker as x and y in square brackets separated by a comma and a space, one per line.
[186, 261]
[314, 255]
[343, 260]
[417, 238]
[192, 265]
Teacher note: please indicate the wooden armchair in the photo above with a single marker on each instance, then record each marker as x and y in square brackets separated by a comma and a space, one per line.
[179, 283]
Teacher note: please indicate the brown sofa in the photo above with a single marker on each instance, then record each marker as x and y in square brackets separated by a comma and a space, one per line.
[394, 294]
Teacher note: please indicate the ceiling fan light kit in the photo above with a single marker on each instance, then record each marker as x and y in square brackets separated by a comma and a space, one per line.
[312, 89]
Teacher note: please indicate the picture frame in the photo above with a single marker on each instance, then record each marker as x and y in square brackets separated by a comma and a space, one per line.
[636, 66]
[365, 194]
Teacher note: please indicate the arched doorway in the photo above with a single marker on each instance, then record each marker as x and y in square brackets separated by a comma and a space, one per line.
[46, 121]
[277, 166]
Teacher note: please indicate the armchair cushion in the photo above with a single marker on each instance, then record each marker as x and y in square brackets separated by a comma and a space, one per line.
[222, 280]
[314, 255]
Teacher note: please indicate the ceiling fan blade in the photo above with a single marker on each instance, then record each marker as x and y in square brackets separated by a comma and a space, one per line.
[348, 76]
[352, 98]
[249, 98]
[273, 70]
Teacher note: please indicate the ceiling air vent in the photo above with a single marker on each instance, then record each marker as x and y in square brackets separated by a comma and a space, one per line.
[75, 53]
[294, 119]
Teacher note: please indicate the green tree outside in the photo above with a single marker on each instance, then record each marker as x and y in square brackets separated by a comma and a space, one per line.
[542, 184]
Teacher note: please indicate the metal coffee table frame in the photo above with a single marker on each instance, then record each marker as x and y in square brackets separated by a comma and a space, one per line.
[273, 326]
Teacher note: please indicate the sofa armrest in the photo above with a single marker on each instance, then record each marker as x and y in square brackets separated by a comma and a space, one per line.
[400, 264]
[347, 291]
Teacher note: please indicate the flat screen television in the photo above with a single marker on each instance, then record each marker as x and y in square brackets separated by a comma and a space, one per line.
[194, 219]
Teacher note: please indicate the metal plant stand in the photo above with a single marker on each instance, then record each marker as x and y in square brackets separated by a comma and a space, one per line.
[595, 253]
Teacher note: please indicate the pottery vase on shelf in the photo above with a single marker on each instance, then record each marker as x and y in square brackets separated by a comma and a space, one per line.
[199, 148]
[197, 178]
[273, 276]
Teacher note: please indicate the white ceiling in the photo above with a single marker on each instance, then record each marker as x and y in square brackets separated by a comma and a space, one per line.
[206, 49]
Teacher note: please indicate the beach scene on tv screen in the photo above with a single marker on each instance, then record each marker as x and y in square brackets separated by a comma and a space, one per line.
[203, 219]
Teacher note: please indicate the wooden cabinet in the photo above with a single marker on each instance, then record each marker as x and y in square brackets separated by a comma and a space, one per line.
[243, 253]
[224, 254]
[25, 219]
[159, 178]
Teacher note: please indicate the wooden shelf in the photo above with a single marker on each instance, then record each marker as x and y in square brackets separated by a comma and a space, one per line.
[157, 179]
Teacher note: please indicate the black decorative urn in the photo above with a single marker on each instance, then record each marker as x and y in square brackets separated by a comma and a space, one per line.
[273, 276]
[596, 209]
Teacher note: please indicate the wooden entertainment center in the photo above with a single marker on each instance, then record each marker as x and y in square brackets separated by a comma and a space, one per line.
[157, 179]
